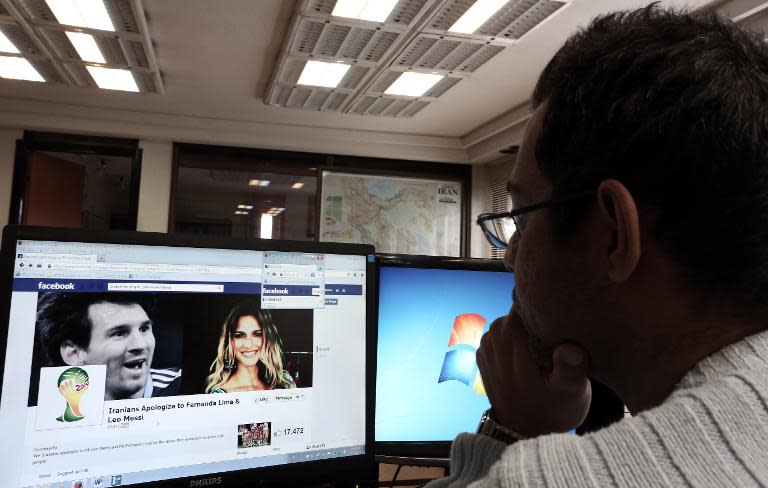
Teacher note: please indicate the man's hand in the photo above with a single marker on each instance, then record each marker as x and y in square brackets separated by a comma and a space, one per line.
[525, 398]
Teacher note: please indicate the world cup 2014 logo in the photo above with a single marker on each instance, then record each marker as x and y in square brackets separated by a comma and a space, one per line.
[72, 385]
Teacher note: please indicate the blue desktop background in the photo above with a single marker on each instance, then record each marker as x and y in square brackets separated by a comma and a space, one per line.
[417, 308]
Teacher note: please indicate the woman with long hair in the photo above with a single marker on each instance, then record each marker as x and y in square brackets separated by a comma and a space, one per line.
[250, 353]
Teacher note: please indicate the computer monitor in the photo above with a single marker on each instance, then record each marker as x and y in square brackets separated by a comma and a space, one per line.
[133, 358]
[432, 312]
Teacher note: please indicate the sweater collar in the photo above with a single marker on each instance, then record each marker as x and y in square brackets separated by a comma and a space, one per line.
[749, 353]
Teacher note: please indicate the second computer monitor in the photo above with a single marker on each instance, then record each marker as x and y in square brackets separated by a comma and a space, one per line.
[432, 314]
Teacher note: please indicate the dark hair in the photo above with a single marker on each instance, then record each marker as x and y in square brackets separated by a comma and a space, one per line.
[64, 316]
[270, 366]
[673, 105]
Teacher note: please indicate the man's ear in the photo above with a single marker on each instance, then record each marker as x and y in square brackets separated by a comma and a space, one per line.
[71, 353]
[619, 212]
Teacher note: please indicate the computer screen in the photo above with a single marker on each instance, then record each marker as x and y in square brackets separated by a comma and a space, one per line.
[432, 313]
[129, 362]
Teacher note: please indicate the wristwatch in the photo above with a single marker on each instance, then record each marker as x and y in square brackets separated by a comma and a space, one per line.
[489, 427]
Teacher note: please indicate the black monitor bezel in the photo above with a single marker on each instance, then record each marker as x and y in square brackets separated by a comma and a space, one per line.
[427, 449]
[345, 469]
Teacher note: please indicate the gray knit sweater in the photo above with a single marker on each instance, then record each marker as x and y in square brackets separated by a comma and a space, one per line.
[712, 431]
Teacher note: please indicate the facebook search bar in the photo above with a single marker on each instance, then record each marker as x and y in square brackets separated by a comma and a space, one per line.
[178, 287]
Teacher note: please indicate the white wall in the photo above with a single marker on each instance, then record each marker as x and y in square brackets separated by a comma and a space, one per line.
[155, 190]
[8, 138]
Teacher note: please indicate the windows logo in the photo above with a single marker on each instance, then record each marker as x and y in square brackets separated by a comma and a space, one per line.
[459, 363]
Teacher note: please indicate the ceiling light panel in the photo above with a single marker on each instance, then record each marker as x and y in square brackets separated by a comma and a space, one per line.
[509, 23]
[411, 84]
[321, 73]
[384, 85]
[82, 13]
[113, 79]
[372, 10]
[293, 68]
[402, 13]
[414, 37]
[15, 68]
[119, 38]
[477, 15]
[86, 47]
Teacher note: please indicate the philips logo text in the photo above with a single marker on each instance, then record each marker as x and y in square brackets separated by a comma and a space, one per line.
[55, 286]
[205, 482]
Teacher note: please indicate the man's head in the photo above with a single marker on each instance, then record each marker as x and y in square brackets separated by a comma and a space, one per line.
[662, 115]
[95, 328]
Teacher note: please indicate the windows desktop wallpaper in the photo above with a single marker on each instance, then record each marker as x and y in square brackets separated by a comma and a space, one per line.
[430, 323]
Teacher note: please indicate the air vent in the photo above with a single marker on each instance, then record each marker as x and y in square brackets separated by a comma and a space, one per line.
[80, 74]
[60, 44]
[135, 54]
[530, 19]
[20, 39]
[342, 42]
[113, 52]
[447, 54]
[145, 82]
[122, 15]
[46, 70]
[308, 98]
[388, 106]
[37, 10]
[441, 87]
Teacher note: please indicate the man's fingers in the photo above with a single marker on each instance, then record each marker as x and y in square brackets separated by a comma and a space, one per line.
[570, 368]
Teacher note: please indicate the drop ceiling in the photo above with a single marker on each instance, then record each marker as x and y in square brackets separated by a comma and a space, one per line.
[216, 62]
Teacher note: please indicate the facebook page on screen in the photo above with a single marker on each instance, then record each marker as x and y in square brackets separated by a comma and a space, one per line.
[129, 364]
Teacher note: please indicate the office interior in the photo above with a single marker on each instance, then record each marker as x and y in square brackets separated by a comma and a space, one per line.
[217, 102]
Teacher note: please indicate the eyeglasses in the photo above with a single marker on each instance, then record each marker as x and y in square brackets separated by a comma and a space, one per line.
[499, 227]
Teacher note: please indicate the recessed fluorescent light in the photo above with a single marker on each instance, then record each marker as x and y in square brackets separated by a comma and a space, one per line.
[298, 185]
[373, 10]
[82, 13]
[319, 73]
[247, 207]
[113, 79]
[18, 69]
[86, 47]
[240, 212]
[477, 15]
[264, 183]
[254, 182]
[413, 84]
[6, 46]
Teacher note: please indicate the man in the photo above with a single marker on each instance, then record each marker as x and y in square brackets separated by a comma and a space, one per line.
[101, 328]
[640, 197]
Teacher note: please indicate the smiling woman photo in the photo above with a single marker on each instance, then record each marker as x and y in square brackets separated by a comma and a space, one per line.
[250, 355]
